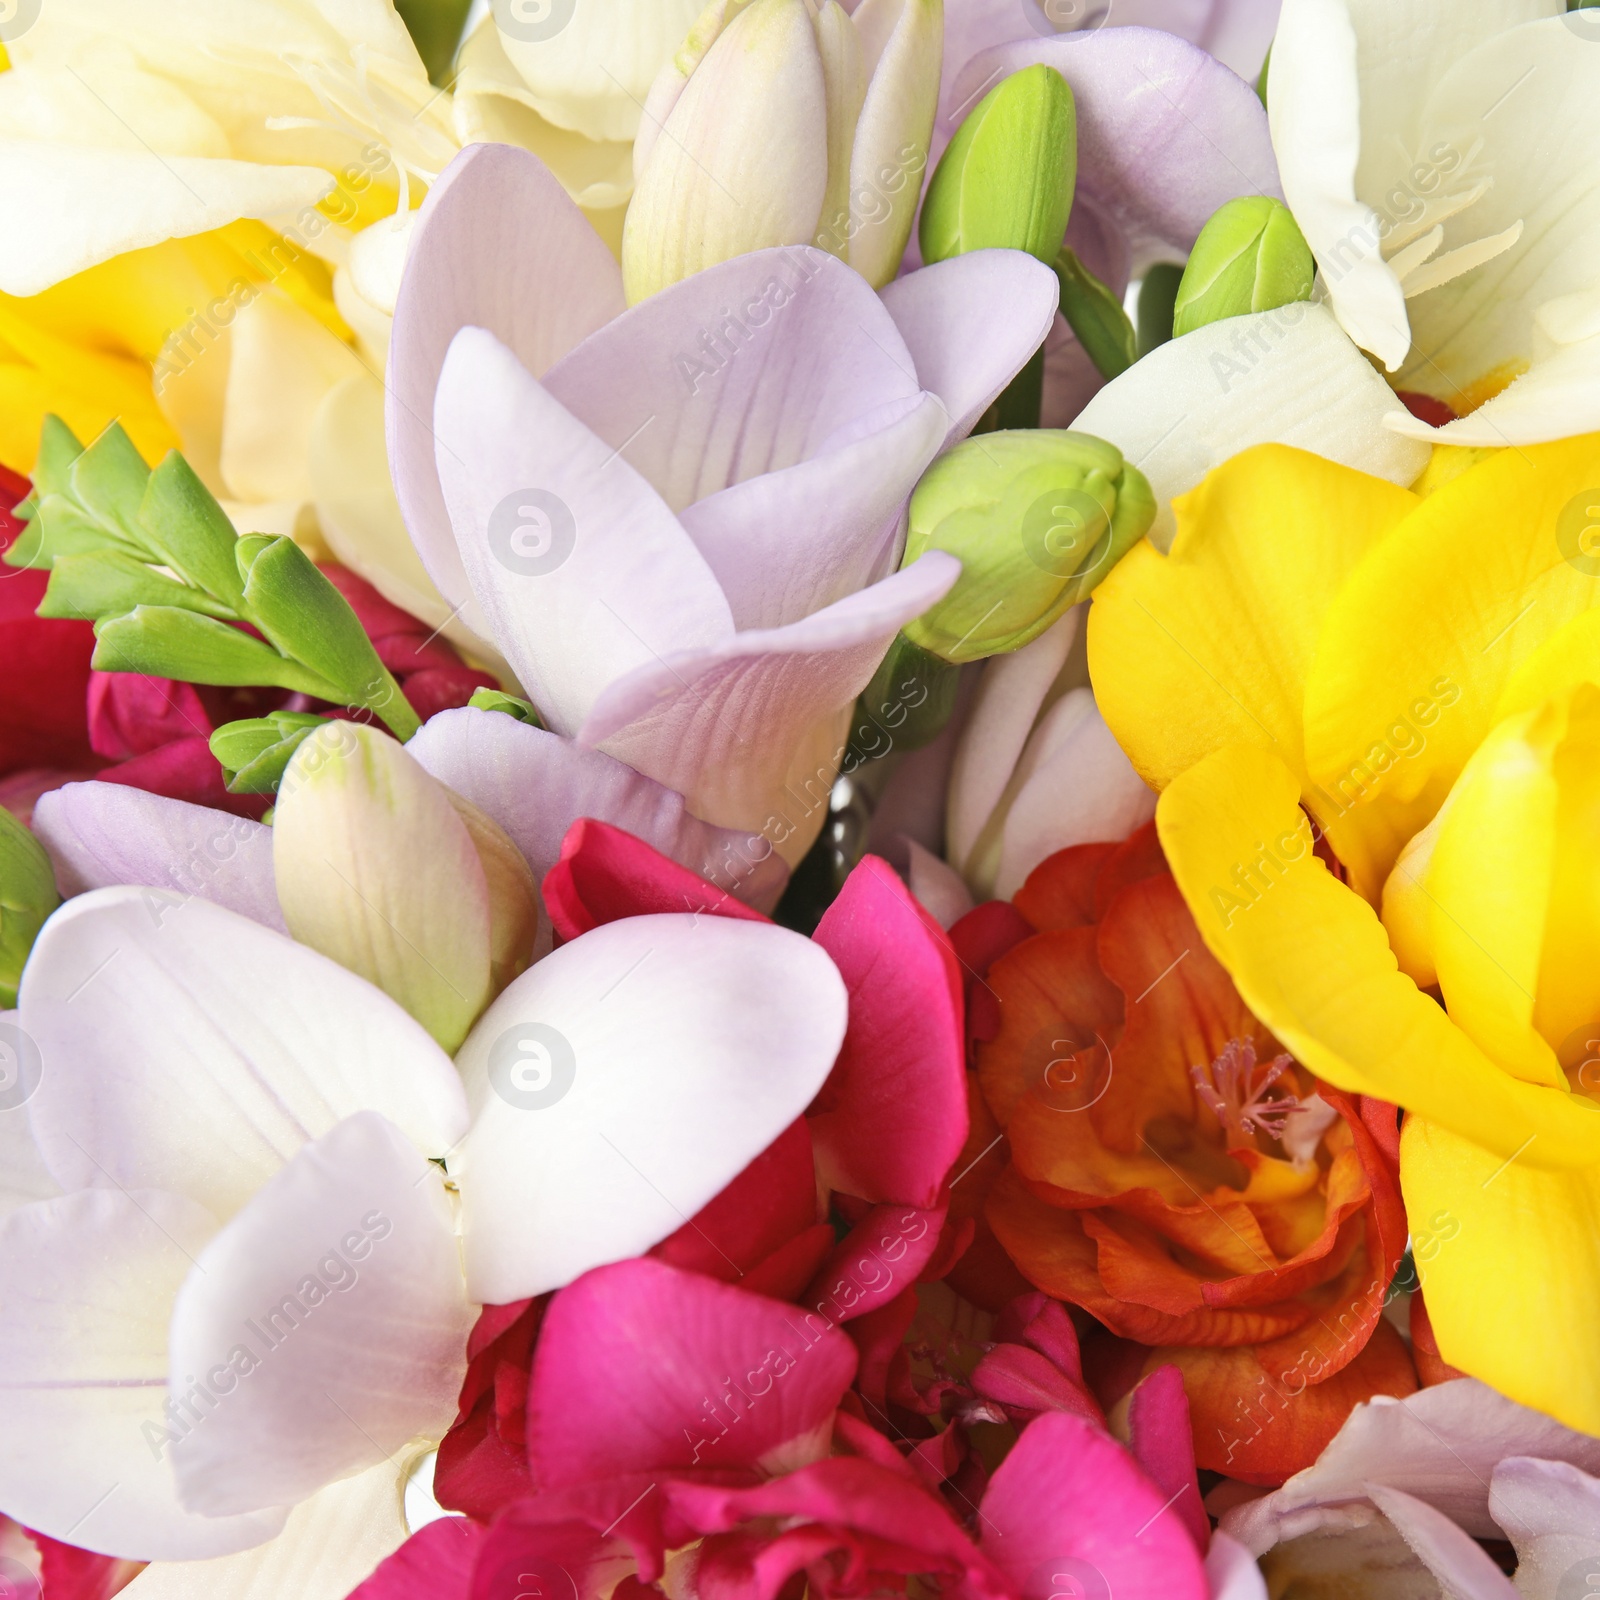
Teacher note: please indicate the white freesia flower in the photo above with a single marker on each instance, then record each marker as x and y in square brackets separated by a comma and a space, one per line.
[1438, 161]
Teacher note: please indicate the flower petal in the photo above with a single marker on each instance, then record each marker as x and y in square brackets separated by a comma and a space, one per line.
[659, 1109]
[1550, 1511]
[1462, 1566]
[328, 1545]
[595, 1411]
[100, 835]
[88, 1281]
[971, 323]
[892, 1117]
[188, 1048]
[750, 731]
[86, 205]
[1288, 376]
[1312, 961]
[537, 785]
[492, 205]
[580, 570]
[323, 1327]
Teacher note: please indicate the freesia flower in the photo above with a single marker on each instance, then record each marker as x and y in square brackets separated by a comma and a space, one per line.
[783, 123]
[1447, 194]
[253, 1160]
[1408, 1487]
[713, 1472]
[1176, 1174]
[676, 523]
[1417, 674]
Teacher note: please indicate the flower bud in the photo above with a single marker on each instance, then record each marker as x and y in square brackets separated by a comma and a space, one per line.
[27, 896]
[1251, 256]
[1037, 517]
[1007, 179]
[785, 122]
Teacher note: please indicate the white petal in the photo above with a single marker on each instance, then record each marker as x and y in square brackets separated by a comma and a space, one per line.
[614, 1094]
[100, 835]
[1075, 787]
[1315, 112]
[1462, 1566]
[186, 1048]
[1232, 1572]
[84, 206]
[937, 887]
[1288, 376]
[580, 568]
[24, 1177]
[329, 1544]
[1010, 692]
[87, 1282]
[341, 1285]
[536, 785]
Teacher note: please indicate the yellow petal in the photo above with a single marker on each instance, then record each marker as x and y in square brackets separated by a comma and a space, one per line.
[1418, 646]
[1312, 961]
[1510, 1267]
[1211, 644]
[1488, 886]
[377, 871]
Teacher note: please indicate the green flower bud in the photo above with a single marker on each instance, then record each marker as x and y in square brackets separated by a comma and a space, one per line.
[510, 704]
[105, 583]
[184, 525]
[1008, 176]
[1037, 517]
[1251, 256]
[167, 642]
[109, 479]
[905, 706]
[1096, 316]
[1156, 296]
[253, 753]
[27, 896]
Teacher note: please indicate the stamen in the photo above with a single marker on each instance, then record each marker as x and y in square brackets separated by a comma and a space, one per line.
[1235, 1089]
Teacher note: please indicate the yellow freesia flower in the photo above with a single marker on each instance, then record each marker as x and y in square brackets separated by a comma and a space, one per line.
[1420, 673]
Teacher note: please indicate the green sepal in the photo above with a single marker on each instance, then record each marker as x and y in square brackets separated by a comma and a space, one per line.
[186, 528]
[27, 897]
[108, 480]
[1096, 316]
[167, 642]
[302, 613]
[499, 700]
[1037, 519]
[906, 706]
[59, 447]
[254, 753]
[1008, 176]
[106, 583]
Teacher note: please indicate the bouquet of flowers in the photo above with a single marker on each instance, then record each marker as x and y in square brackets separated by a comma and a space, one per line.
[800, 799]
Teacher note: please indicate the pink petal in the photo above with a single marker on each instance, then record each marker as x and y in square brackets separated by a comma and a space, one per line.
[1024, 1381]
[492, 206]
[892, 1117]
[1069, 1504]
[971, 323]
[1232, 1570]
[537, 786]
[1159, 1436]
[748, 731]
[616, 583]
[605, 874]
[1166, 134]
[184, 769]
[641, 1367]
[101, 834]
[1458, 1561]
[877, 1261]
[435, 1563]
[1549, 1510]
[130, 714]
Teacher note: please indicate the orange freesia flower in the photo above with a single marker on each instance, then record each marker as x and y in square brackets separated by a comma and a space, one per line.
[1179, 1176]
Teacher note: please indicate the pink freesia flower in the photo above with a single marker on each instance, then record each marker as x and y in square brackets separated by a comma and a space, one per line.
[680, 523]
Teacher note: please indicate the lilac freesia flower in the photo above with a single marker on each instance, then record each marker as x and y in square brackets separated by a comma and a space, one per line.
[1396, 1503]
[679, 523]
